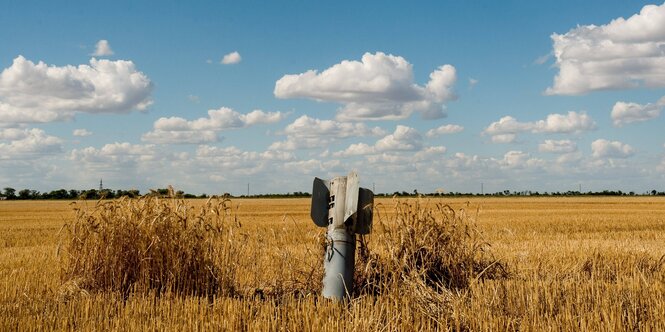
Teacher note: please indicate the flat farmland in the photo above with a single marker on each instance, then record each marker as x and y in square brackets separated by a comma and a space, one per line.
[574, 263]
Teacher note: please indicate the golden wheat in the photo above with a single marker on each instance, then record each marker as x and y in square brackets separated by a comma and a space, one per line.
[575, 264]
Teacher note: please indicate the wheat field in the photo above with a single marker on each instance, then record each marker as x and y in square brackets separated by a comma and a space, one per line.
[571, 263]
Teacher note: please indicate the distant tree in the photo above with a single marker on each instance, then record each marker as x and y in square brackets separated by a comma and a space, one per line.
[24, 194]
[58, 194]
[10, 193]
[90, 194]
[654, 192]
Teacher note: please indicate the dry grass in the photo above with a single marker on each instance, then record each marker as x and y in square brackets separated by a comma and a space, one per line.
[574, 263]
[152, 244]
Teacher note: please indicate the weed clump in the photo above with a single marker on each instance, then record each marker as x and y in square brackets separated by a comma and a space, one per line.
[425, 249]
[152, 244]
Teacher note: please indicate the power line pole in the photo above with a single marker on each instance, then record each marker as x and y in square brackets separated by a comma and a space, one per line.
[482, 188]
[247, 189]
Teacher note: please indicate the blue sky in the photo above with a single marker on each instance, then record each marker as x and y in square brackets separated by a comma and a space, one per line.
[525, 96]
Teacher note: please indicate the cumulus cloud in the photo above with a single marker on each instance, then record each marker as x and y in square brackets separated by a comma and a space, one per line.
[603, 148]
[520, 160]
[32, 92]
[561, 146]
[118, 156]
[81, 132]
[625, 53]
[379, 87]
[624, 113]
[207, 151]
[27, 143]
[503, 138]
[237, 162]
[176, 130]
[506, 129]
[444, 130]
[402, 139]
[430, 152]
[231, 58]
[180, 137]
[306, 132]
[103, 48]
[356, 149]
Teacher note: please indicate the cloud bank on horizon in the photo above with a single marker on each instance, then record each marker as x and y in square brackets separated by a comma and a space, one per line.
[375, 112]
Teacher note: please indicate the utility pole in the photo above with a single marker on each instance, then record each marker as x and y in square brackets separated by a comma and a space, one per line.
[100, 185]
[482, 188]
[247, 189]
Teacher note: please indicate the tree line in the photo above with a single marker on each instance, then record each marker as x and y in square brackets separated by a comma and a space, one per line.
[9, 193]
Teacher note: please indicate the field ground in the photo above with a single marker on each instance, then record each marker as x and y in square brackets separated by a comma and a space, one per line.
[576, 263]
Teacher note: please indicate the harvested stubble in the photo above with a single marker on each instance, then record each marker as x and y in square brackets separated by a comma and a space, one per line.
[154, 246]
[151, 244]
[575, 264]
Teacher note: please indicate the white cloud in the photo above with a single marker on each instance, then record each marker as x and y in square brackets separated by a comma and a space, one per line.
[115, 156]
[472, 82]
[403, 139]
[625, 53]
[506, 129]
[444, 130]
[542, 59]
[569, 158]
[520, 160]
[573, 122]
[231, 58]
[81, 132]
[180, 137]
[233, 161]
[207, 151]
[103, 48]
[32, 92]
[357, 149]
[429, 153]
[306, 132]
[27, 143]
[176, 130]
[603, 148]
[306, 126]
[379, 87]
[562, 146]
[503, 138]
[625, 113]
[194, 99]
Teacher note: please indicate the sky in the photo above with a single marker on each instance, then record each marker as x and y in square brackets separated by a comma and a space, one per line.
[219, 96]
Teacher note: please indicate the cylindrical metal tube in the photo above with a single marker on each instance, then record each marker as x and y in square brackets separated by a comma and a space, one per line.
[339, 259]
[338, 264]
